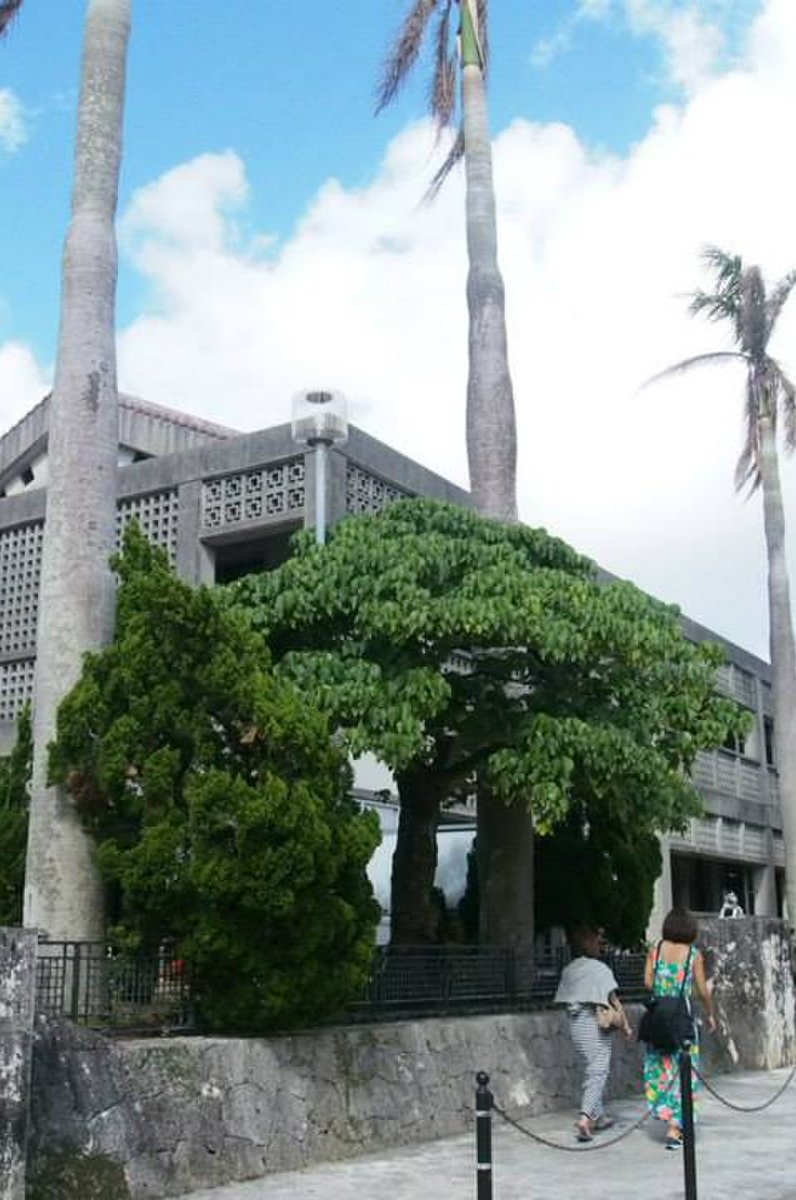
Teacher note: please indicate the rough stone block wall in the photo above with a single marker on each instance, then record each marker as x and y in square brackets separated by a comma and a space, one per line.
[749, 963]
[119, 1120]
[17, 980]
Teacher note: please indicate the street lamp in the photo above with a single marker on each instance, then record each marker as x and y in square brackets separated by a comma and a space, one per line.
[320, 421]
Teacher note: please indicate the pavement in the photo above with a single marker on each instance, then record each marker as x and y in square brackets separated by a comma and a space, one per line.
[740, 1156]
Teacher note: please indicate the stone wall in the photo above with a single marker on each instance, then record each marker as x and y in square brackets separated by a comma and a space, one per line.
[123, 1120]
[17, 979]
[748, 961]
[119, 1120]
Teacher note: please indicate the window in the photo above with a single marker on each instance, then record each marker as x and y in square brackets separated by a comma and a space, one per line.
[250, 556]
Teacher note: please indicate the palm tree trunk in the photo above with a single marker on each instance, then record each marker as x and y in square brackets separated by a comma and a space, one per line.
[414, 864]
[782, 650]
[63, 895]
[491, 424]
[505, 837]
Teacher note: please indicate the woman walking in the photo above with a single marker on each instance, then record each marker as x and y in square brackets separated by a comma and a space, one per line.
[589, 990]
[674, 967]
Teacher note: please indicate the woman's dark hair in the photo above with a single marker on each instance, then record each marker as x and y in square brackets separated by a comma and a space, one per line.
[680, 926]
[583, 939]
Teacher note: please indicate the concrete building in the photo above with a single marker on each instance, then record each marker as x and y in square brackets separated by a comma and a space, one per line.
[223, 504]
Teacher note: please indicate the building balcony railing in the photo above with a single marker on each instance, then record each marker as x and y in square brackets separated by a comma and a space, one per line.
[734, 775]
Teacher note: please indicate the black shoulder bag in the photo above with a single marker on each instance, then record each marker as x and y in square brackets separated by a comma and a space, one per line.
[667, 1024]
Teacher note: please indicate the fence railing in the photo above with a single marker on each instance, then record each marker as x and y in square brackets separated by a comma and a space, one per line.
[467, 979]
[87, 983]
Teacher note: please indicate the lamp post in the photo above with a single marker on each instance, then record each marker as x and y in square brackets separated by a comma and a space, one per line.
[320, 421]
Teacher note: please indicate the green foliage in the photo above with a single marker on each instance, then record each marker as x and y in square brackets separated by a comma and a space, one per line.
[433, 635]
[220, 805]
[14, 780]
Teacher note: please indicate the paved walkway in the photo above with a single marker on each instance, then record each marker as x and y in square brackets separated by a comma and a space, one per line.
[739, 1157]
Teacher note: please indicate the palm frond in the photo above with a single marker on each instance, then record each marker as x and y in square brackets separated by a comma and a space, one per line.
[455, 154]
[482, 9]
[777, 298]
[442, 98]
[716, 305]
[727, 268]
[404, 55]
[786, 404]
[747, 470]
[715, 356]
[8, 10]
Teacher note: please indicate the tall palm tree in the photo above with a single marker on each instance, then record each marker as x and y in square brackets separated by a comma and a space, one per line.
[491, 425]
[740, 299]
[505, 835]
[76, 601]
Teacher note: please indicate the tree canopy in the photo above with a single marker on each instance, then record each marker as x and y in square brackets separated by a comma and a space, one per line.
[446, 643]
[14, 801]
[220, 806]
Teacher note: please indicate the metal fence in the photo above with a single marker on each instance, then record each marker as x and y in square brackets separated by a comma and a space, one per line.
[91, 985]
[428, 981]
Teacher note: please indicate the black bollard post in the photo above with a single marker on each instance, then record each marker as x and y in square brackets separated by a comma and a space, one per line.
[483, 1137]
[687, 1099]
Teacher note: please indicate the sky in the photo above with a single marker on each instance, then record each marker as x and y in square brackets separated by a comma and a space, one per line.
[273, 237]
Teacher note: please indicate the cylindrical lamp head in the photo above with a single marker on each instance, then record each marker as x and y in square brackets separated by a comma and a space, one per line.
[319, 416]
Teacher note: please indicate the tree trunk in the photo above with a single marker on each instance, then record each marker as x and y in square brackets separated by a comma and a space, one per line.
[414, 917]
[63, 896]
[491, 424]
[506, 839]
[782, 650]
[505, 871]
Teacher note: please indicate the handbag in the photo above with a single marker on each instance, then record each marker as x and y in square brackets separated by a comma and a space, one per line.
[609, 1017]
[667, 1024]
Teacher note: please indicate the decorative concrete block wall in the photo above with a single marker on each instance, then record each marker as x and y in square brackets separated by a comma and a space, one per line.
[17, 980]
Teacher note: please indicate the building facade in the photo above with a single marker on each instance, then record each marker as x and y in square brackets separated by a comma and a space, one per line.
[223, 504]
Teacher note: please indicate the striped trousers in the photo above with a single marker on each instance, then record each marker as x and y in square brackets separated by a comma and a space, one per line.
[594, 1047]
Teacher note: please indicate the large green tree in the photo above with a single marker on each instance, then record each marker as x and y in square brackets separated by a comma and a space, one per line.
[220, 806]
[63, 896]
[739, 299]
[451, 646]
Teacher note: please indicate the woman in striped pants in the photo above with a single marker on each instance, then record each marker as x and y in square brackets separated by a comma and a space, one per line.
[587, 986]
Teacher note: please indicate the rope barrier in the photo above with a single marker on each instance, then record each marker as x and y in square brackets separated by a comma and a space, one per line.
[537, 1137]
[745, 1108]
[605, 1144]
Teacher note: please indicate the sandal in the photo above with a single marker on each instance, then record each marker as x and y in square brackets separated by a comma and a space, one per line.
[674, 1139]
[584, 1130]
[603, 1123]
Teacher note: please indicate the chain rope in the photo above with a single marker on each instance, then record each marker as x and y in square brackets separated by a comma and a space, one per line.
[744, 1108]
[604, 1145]
[580, 1149]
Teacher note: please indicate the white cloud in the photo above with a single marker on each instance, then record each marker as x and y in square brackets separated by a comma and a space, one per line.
[13, 123]
[23, 382]
[597, 253]
[696, 37]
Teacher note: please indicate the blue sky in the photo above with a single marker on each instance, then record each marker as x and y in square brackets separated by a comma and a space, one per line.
[291, 89]
[271, 238]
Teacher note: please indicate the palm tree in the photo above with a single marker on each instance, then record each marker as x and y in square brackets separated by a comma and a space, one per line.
[63, 895]
[491, 425]
[740, 298]
[505, 835]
